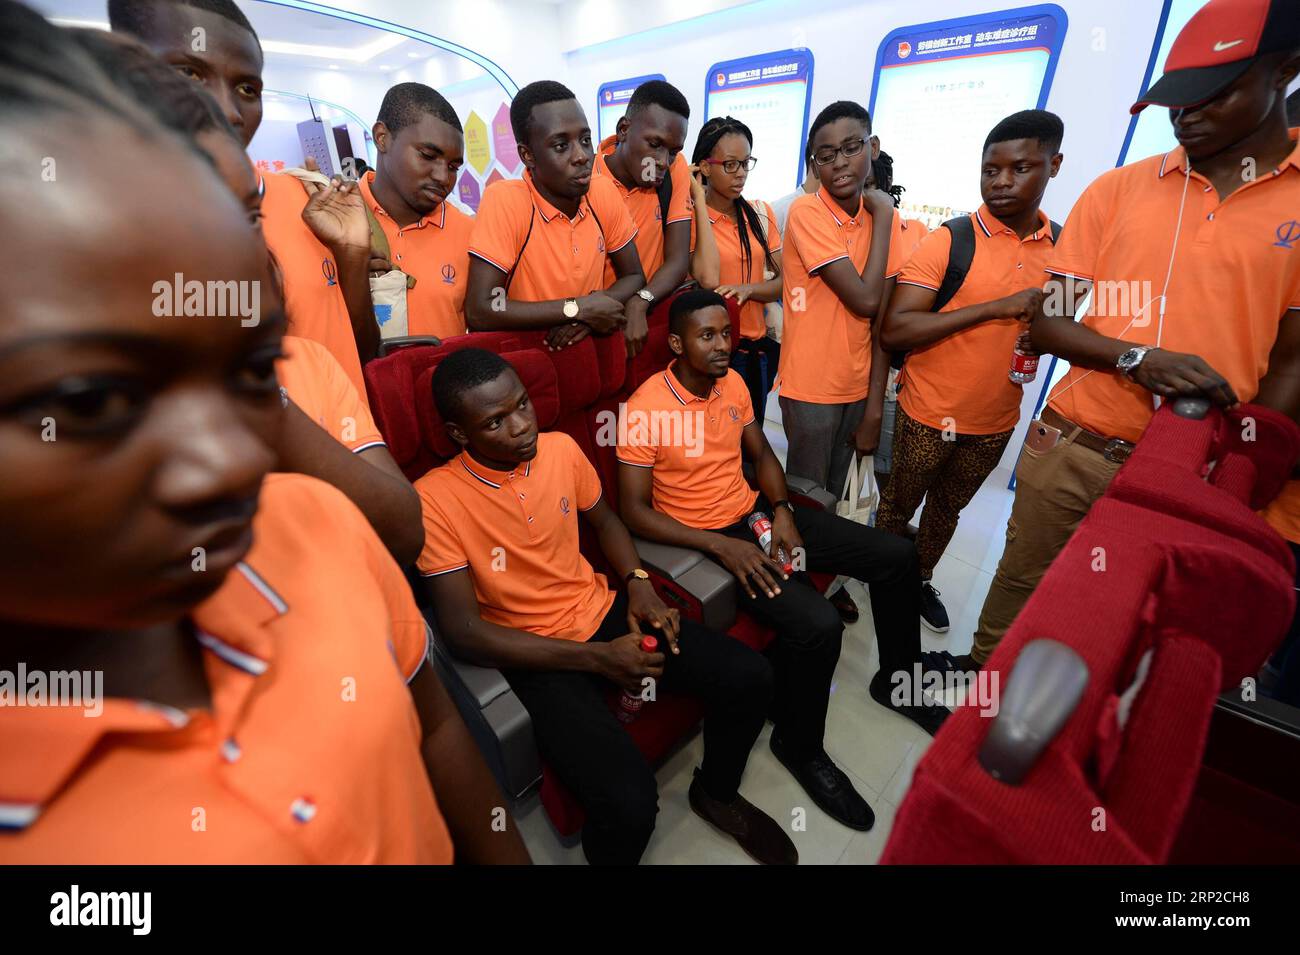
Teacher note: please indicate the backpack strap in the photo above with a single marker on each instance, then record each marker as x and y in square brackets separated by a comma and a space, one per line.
[960, 257]
[532, 211]
[665, 199]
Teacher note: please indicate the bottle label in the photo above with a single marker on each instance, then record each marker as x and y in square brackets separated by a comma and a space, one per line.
[1023, 364]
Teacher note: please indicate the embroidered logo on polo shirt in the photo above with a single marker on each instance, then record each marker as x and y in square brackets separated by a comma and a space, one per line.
[449, 274]
[734, 412]
[564, 505]
[600, 244]
[329, 271]
[1288, 233]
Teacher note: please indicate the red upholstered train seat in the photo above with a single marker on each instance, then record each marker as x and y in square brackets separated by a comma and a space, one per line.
[1170, 591]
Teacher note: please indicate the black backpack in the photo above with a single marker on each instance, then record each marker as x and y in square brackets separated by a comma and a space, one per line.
[960, 257]
[665, 198]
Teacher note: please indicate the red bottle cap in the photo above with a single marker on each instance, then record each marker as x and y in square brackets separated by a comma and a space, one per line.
[649, 644]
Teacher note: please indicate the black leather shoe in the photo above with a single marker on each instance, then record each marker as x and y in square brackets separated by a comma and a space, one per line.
[829, 788]
[844, 605]
[758, 834]
[929, 718]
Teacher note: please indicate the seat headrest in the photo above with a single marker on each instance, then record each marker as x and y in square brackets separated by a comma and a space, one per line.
[401, 398]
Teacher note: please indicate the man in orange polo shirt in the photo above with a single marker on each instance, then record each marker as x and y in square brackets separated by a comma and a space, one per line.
[513, 591]
[1195, 279]
[644, 161]
[326, 418]
[688, 431]
[541, 243]
[209, 610]
[319, 238]
[841, 255]
[421, 149]
[956, 405]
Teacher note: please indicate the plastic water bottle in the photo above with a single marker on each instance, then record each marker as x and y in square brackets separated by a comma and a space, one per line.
[1024, 366]
[629, 704]
[761, 525]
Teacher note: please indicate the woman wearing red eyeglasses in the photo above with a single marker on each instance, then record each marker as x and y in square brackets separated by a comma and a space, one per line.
[740, 254]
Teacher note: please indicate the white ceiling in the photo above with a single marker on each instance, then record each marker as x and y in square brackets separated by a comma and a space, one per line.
[292, 37]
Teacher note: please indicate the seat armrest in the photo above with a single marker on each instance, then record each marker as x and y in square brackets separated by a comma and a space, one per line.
[494, 716]
[810, 493]
[686, 579]
[665, 559]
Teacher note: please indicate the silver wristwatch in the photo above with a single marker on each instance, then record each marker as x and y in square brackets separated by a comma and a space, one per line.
[1129, 361]
[571, 308]
[647, 295]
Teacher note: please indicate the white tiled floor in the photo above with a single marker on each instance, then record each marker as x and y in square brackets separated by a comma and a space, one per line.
[877, 749]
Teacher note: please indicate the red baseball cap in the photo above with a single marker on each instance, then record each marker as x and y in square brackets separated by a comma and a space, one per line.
[1218, 45]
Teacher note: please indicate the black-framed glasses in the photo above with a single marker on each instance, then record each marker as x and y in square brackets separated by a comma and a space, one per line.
[732, 166]
[826, 155]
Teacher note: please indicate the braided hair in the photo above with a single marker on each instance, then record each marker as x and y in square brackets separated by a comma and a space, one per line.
[746, 216]
[882, 170]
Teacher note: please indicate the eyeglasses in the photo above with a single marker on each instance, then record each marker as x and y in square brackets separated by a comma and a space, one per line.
[824, 157]
[732, 166]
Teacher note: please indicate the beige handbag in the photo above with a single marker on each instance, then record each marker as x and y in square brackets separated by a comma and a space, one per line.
[861, 495]
[387, 290]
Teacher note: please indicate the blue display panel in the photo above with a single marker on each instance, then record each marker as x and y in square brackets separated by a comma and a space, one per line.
[611, 101]
[940, 87]
[769, 93]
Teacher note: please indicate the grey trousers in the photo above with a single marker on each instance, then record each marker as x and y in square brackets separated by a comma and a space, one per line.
[820, 440]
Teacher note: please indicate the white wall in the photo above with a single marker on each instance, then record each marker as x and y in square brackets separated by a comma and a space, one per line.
[1098, 75]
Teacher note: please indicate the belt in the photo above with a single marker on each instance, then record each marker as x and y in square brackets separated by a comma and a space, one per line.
[1114, 450]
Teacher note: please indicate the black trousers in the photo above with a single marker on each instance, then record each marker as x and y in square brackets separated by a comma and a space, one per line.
[756, 360]
[809, 629]
[587, 747]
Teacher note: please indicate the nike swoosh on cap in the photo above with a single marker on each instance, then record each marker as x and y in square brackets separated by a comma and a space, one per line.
[1220, 46]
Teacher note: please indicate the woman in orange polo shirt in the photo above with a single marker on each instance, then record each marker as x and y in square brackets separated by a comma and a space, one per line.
[243, 641]
[739, 256]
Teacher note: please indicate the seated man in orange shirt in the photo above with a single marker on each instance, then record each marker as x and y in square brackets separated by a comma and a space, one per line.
[541, 243]
[956, 406]
[513, 591]
[207, 607]
[680, 481]
[420, 149]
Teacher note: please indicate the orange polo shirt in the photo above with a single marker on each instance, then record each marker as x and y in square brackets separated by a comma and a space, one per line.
[693, 446]
[317, 385]
[435, 251]
[643, 205]
[825, 348]
[517, 533]
[913, 231]
[731, 269]
[313, 299]
[310, 752]
[562, 257]
[1235, 272]
[962, 380]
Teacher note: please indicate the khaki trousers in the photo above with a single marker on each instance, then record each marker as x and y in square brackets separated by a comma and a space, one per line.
[1054, 491]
